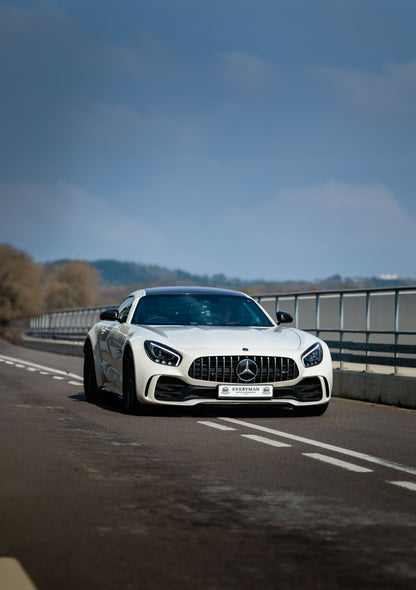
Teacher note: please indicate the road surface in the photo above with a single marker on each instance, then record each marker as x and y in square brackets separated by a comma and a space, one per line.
[93, 498]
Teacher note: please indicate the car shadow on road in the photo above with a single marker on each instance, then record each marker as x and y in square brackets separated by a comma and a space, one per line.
[112, 403]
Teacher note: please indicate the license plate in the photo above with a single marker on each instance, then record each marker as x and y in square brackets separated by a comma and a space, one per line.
[245, 391]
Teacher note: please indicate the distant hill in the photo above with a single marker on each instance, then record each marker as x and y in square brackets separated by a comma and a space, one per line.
[114, 273]
[117, 273]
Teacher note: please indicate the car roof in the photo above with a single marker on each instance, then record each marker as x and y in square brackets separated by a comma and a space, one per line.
[189, 290]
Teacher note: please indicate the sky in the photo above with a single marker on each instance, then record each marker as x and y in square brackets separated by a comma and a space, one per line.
[260, 139]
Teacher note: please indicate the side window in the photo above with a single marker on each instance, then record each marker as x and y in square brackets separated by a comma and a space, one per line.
[123, 310]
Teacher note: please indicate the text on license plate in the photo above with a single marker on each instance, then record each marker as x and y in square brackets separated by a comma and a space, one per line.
[245, 391]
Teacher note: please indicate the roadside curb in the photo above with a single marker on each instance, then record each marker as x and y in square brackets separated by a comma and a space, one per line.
[67, 347]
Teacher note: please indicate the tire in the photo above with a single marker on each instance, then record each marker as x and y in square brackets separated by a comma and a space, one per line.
[91, 389]
[130, 402]
[312, 410]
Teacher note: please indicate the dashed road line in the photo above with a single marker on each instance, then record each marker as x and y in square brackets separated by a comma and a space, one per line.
[409, 485]
[266, 441]
[114, 443]
[33, 367]
[319, 456]
[13, 576]
[328, 447]
[215, 425]
[338, 462]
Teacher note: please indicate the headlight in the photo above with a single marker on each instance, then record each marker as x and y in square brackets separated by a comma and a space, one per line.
[162, 354]
[313, 356]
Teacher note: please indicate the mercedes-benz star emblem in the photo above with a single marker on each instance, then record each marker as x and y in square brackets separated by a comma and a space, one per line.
[247, 370]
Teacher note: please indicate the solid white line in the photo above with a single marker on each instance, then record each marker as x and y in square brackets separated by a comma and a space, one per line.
[214, 425]
[315, 443]
[13, 576]
[338, 463]
[266, 441]
[409, 485]
[10, 360]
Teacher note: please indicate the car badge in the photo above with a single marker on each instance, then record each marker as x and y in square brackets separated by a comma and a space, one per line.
[247, 370]
[245, 349]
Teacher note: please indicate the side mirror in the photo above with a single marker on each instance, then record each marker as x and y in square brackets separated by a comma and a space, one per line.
[283, 317]
[109, 314]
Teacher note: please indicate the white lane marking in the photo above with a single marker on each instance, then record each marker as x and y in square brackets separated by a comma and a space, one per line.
[338, 462]
[10, 361]
[215, 425]
[315, 443]
[13, 576]
[114, 443]
[266, 441]
[58, 377]
[76, 383]
[409, 485]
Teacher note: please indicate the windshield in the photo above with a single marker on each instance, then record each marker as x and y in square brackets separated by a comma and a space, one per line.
[199, 309]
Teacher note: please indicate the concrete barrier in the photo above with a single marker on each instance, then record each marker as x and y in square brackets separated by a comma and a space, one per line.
[68, 347]
[392, 390]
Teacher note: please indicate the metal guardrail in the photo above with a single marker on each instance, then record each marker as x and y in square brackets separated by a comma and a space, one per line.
[356, 323]
[365, 327]
[68, 324]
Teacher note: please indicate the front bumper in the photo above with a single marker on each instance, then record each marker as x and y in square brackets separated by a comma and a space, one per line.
[173, 390]
[196, 380]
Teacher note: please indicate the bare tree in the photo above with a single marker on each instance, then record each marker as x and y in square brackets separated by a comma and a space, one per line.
[74, 284]
[20, 289]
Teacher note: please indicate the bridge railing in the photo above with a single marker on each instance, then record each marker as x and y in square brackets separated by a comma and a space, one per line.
[67, 324]
[371, 329]
[366, 329]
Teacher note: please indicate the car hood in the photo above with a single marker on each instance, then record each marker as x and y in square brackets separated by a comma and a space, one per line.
[222, 340]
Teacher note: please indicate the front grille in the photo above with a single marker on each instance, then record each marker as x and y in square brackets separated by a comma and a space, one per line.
[222, 369]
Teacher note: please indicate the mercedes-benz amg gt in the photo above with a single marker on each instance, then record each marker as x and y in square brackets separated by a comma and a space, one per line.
[195, 345]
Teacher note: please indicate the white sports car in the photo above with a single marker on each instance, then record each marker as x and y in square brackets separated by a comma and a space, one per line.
[195, 345]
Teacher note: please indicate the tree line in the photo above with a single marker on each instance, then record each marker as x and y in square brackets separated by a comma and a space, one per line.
[28, 289]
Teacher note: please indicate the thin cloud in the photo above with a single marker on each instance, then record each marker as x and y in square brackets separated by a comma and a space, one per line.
[333, 227]
[54, 54]
[391, 90]
[19, 22]
[374, 197]
[62, 214]
[247, 73]
[118, 129]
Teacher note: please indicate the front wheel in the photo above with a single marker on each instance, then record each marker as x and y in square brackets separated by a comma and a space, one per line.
[130, 402]
[91, 389]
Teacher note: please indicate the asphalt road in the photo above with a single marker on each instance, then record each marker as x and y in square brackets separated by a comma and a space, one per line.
[92, 498]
